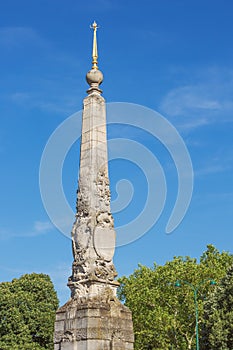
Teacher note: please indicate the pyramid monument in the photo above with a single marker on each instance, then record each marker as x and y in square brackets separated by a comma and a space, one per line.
[93, 318]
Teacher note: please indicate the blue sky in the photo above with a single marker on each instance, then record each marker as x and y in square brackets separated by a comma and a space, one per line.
[174, 57]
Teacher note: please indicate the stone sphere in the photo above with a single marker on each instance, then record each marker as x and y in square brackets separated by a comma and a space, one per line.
[94, 76]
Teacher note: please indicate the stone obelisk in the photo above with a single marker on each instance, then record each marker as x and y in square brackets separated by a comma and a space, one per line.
[93, 318]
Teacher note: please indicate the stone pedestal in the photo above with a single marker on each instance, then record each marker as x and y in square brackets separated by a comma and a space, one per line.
[97, 323]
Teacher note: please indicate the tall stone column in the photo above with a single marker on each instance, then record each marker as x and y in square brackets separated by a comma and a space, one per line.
[93, 318]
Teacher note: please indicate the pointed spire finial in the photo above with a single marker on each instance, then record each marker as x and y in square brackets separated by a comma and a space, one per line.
[94, 26]
[94, 77]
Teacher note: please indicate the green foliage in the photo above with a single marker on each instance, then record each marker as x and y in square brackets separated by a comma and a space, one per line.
[27, 313]
[163, 315]
[218, 328]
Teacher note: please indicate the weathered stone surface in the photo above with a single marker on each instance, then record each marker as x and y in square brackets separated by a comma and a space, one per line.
[104, 242]
[94, 324]
[93, 319]
[93, 233]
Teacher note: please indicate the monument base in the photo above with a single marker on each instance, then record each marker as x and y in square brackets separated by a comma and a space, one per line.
[96, 323]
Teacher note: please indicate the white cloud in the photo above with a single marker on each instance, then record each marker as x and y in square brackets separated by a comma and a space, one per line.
[43, 226]
[65, 104]
[212, 169]
[183, 99]
[20, 97]
[39, 228]
[100, 6]
[215, 197]
[218, 163]
[44, 90]
[59, 275]
[14, 37]
[207, 100]
[4, 233]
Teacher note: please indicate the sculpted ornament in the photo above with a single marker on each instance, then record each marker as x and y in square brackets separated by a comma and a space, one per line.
[103, 187]
[104, 219]
[93, 318]
[105, 270]
[68, 337]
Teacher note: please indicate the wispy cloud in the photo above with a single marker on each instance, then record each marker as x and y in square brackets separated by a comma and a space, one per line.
[42, 88]
[65, 104]
[38, 228]
[50, 95]
[100, 6]
[214, 196]
[43, 226]
[212, 169]
[35, 45]
[15, 37]
[58, 273]
[106, 4]
[188, 98]
[207, 100]
[219, 163]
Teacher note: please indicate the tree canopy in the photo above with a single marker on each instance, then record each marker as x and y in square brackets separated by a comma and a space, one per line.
[163, 315]
[217, 331]
[27, 313]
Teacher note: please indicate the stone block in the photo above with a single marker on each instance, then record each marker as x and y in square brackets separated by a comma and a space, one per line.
[97, 325]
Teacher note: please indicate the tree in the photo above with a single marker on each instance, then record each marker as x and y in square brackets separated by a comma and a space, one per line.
[218, 312]
[27, 313]
[164, 316]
